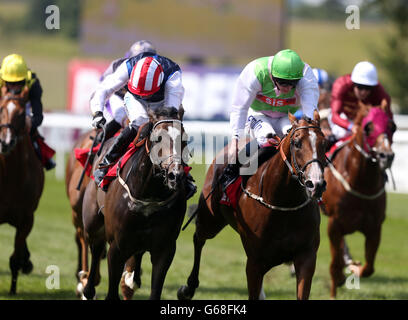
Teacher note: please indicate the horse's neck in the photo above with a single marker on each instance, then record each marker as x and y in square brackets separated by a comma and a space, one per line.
[142, 181]
[16, 163]
[277, 180]
[357, 166]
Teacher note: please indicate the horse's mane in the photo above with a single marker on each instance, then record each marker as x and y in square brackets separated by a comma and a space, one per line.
[166, 112]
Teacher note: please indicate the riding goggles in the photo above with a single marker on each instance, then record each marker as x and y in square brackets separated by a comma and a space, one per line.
[286, 82]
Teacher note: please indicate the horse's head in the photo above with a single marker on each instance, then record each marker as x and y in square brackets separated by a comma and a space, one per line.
[378, 136]
[307, 149]
[12, 119]
[169, 142]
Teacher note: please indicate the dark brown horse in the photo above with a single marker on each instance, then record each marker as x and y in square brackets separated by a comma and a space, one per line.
[74, 171]
[277, 215]
[72, 176]
[143, 208]
[21, 179]
[355, 199]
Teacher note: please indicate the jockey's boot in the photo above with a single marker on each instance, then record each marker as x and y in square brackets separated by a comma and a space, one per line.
[50, 163]
[115, 151]
[111, 128]
[191, 188]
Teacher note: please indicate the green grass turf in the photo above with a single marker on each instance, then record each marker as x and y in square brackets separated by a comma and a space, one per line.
[222, 275]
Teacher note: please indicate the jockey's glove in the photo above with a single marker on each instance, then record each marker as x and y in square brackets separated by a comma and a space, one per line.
[98, 120]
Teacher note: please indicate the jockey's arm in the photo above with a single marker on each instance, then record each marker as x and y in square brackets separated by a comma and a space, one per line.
[308, 89]
[109, 86]
[174, 91]
[336, 105]
[245, 91]
[34, 97]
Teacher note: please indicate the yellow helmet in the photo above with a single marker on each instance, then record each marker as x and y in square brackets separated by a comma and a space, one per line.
[14, 68]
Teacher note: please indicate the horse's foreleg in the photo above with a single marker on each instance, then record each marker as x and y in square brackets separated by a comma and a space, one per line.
[337, 264]
[254, 280]
[97, 248]
[372, 242]
[116, 263]
[21, 256]
[131, 277]
[187, 292]
[161, 260]
[82, 269]
[305, 266]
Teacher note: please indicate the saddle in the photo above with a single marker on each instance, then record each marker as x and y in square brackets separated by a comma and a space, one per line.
[82, 154]
[233, 189]
[335, 148]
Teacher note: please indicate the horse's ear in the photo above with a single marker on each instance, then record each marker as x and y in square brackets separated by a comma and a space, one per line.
[181, 112]
[292, 118]
[368, 128]
[152, 115]
[316, 116]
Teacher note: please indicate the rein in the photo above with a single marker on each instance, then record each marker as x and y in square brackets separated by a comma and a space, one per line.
[298, 174]
[344, 182]
[143, 204]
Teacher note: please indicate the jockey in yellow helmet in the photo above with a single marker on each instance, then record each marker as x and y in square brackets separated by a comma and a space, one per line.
[14, 76]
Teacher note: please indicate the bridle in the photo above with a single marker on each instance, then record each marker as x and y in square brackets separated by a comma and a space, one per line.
[9, 125]
[369, 156]
[298, 173]
[174, 158]
[150, 206]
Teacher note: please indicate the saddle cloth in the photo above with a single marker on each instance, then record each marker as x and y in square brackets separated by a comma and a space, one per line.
[81, 154]
[337, 147]
[232, 193]
[46, 151]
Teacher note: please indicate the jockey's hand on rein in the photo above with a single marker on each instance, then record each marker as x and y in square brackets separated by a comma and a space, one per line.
[98, 120]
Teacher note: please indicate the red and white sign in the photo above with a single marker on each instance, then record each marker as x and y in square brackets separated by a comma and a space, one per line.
[83, 78]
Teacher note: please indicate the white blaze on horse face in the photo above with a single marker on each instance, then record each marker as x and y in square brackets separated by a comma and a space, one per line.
[174, 133]
[10, 109]
[314, 173]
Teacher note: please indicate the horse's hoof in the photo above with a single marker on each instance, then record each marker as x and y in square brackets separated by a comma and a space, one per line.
[89, 293]
[27, 267]
[355, 268]
[185, 293]
[127, 285]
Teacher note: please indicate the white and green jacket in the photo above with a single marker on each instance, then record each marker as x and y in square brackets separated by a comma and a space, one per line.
[255, 89]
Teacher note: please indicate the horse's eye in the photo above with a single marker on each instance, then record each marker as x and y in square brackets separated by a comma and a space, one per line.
[297, 143]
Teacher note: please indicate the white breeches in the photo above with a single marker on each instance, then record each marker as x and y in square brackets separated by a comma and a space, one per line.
[136, 109]
[259, 126]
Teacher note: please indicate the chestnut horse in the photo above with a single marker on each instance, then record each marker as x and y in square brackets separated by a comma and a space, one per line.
[277, 215]
[355, 199]
[144, 206]
[72, 176]
[21, 179]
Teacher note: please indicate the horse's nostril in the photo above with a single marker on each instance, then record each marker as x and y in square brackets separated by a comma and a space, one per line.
[309, 184]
